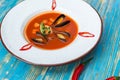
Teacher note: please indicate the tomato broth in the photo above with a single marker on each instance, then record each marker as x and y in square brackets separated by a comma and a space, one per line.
[43, 32]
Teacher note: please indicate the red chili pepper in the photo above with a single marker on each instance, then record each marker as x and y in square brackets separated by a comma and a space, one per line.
[79, 69]
[86, 34]
[26, 47]
[113, 78]
[53, 4]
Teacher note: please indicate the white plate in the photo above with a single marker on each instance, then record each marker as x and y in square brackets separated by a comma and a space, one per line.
[13, 24]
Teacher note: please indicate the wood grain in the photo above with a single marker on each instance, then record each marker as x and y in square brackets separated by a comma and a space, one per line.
[106, 54]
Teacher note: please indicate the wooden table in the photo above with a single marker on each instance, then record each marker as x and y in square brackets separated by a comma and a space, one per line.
[106, 54]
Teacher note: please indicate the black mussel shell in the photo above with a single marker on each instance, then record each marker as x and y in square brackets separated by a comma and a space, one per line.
[62, 24]
[61, 37]
[40, 35]
[59, 19]
[64, 33]
[38, 41]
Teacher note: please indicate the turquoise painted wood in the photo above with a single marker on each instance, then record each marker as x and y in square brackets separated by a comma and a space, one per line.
[106, 54]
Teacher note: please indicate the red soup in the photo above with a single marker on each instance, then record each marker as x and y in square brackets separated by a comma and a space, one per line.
[51, 30]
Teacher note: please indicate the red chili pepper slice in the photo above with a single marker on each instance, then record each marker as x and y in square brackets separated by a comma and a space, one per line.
[53, 4]
[26, 47]
[86, 34]
[79, 69]
[113, 78]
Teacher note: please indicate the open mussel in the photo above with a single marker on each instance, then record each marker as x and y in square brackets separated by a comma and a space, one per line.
[63, 36]
[39, 40]
[59, 19]
[59, 22]
[65, 33]
[41, 35]
[62, 24]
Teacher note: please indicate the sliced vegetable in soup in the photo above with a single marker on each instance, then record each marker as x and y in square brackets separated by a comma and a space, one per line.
[51, 30]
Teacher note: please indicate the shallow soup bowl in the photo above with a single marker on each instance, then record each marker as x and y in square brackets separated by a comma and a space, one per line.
[88, 33]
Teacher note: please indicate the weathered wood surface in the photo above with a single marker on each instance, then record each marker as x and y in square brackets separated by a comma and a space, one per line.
[106, 54]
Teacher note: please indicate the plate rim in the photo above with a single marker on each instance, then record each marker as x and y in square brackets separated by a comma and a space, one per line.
[58, 64]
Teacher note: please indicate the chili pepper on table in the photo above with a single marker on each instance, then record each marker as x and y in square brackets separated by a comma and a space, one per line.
[79, 69]
[113, 78]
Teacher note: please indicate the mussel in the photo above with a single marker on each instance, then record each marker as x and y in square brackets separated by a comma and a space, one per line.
[63, 36]
[63, 32]
[59, 19]
[66, 33]
[41, 35]
[59, 22]
[39, 40]
[62, 24]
